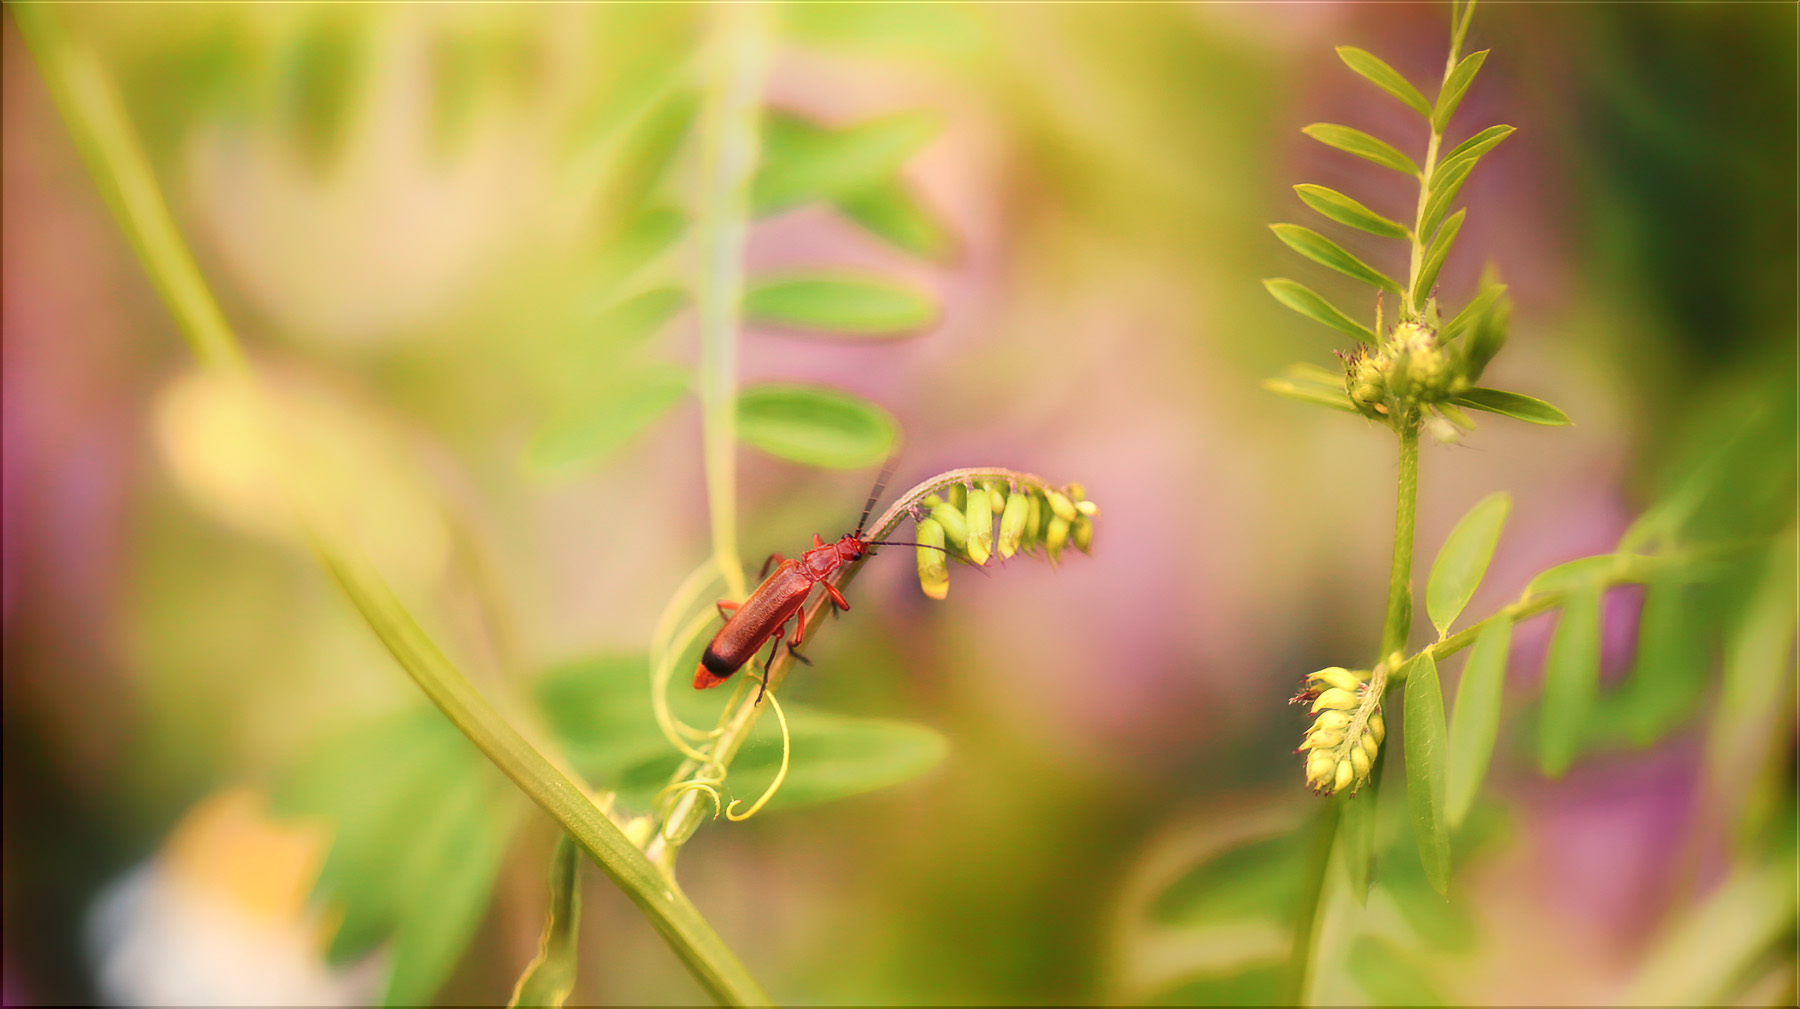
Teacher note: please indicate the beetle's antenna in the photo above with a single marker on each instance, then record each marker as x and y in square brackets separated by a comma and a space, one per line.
[887, 470]
[903, 543]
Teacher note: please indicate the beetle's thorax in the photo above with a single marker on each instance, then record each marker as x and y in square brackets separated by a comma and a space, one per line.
[821, 561]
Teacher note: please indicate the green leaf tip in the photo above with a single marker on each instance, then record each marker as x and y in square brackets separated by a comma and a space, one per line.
[1354, 141]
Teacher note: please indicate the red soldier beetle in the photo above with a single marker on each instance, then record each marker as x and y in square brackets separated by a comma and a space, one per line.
[782, 597]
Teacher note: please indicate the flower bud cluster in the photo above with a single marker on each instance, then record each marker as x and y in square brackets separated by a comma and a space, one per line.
[1346, 732]
[959, 523]
[1409, 371]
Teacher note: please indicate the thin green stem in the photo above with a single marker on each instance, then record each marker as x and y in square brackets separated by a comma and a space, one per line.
[96, 119]
[1416, 260]
[1400, 598]
[729, 144]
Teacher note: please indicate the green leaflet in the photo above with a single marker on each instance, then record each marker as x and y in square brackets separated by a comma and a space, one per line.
[1475, 721]
[890, 211]
[802, 161]
[1426, 751]
[611, 420]
[1354, 141]
[1434, 258]
[550, 977]
[599, 709]
[1477, 145]
[1384, 77]
[1324, 251]
[1512, 404]
[1345, 210]
[1302, 299]
[1571, 681]
[419, 823]
[816, 426]
[836, 303]
[1455, 86]
[1446, 182]
[1463, 560]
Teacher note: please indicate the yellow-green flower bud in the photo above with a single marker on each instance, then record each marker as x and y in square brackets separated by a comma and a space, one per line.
[1319, 768]
[1056, 535]
[1369, 744]
[1087, 508]
[1343, 776]
[1336, 676]
[957, 495]
[1061, 505]
[1077, 492]
[1377, 728]
[1336, 697]
[956, 527]
[1323, 739]
[934, 574]
[1012, 522]
[1331, 719]
[980, 515]
[1359, 759]
[1082, 533]
[996, 496]
[1034, 520]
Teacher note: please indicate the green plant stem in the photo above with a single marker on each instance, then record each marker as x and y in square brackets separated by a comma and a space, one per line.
[687, 812]
[729, 143]
[1400, 597]
[1416, 260]
[95, 117]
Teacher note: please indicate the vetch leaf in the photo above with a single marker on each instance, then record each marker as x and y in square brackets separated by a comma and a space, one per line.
[1446, 182]
[1673, 660]
[550, 977]
[1463, 560]
[1455, 86]
[1475, 720]
[1512, 404]
[446, 878]
[611, 420]
[1336, 399]
[891, 212]
[1345, 210]
[1302, 299]
[1384, 77]
[1434, 258]
[855, 306]
[1356, 831]
[1354, 141]
[1571, 681]
[1425, 756]
[1583, 572]
[1491, 290]
[803, 161]
[816, 426]
[1320, 249]
[838, 756]
[1477, 145]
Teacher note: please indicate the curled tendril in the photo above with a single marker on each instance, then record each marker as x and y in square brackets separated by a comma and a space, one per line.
[666, 646]
[708, 786]
[731, 812]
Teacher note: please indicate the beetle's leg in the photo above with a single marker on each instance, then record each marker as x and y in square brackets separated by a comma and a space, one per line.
[837, 598]
[727, 608]
[763, 683]
[773, 559]
[799, 636]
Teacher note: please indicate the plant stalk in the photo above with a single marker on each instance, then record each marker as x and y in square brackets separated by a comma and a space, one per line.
[730, 139]
[97, 121]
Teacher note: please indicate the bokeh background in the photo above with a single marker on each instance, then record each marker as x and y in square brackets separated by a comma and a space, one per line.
[397, 207]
